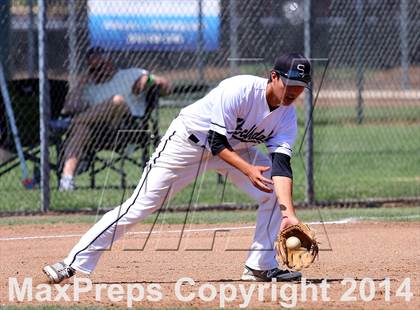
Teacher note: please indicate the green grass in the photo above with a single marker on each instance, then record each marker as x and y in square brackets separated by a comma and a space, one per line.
[378, 159]
[400, 214]
[383, 166]
[325, 115]
[371, 114]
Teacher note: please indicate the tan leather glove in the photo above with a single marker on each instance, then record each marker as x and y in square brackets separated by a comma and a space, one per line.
[300, 257]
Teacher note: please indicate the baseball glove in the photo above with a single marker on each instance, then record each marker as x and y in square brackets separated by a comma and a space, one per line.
[299, 257]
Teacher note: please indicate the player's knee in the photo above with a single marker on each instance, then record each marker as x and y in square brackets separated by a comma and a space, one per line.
[118, 100]
[148, 202]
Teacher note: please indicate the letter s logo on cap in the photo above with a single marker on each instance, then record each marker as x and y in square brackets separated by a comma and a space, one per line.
[301, 68]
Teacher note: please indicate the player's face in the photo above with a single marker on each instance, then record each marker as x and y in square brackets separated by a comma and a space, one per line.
[285, 94]
[291, 93]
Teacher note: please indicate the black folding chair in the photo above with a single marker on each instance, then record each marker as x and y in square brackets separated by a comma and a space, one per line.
[24, 95]
[133, 134]
[143, 133]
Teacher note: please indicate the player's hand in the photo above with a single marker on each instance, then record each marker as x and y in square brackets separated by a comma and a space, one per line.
[254, 173]
[288, 220]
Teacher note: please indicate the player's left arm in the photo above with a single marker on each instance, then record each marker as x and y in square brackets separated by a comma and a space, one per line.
[282, 176]
[280, 147]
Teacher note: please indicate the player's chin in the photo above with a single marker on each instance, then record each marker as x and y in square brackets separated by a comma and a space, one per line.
[287, 102]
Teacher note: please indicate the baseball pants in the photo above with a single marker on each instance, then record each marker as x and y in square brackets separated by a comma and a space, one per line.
[177, 162]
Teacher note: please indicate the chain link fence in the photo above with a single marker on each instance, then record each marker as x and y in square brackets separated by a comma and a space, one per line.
[366, 116]
[368, 113]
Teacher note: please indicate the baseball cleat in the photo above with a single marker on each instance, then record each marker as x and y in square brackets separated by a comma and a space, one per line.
[250, 274]
[58, 272]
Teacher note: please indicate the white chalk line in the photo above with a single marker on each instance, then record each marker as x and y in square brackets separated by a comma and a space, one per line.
[344, 221]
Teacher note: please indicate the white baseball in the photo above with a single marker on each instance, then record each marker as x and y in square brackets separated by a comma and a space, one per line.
[293, 243]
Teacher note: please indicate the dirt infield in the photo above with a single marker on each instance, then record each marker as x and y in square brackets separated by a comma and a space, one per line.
[366, 252]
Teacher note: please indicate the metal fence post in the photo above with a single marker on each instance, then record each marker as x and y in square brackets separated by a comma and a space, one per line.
[4, 35]
[44, 107]
[309, 147]
[233, 38]
[405, 81]
[72, 35]
[31, 40]
[200, 55]
[360, 46]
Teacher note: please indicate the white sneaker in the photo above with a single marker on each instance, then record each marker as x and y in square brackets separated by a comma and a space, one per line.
[67, 183]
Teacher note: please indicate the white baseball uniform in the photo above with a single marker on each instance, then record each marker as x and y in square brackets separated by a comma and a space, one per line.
[236, 108]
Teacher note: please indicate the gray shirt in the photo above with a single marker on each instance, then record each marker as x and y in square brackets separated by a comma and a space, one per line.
[120, 84]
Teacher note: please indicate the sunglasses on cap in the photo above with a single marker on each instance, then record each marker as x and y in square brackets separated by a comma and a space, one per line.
[295, 78]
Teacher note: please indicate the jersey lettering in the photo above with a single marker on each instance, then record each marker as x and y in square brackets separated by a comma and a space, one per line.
[251, 134]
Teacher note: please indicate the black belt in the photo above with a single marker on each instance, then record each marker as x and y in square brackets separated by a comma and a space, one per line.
[193, 138]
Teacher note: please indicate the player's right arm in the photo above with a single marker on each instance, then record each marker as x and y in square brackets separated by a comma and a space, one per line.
[254, 173]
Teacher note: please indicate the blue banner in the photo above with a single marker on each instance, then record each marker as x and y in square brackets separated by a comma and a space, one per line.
[153, 25]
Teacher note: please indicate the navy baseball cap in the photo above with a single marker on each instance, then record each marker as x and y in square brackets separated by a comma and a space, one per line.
[294, 69]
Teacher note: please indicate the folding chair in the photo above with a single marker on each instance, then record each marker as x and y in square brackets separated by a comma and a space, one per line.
[134, 133]
[24, 95]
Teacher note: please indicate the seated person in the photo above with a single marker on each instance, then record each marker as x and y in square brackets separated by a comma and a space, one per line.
[105, 96]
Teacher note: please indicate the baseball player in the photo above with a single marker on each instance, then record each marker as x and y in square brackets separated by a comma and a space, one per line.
[218, 132]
